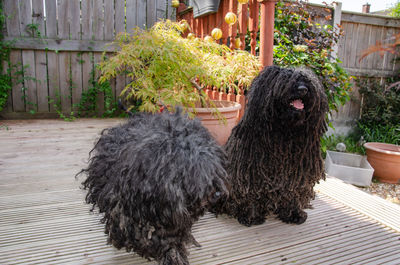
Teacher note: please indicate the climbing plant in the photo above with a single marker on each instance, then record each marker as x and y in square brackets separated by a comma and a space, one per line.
[5, 75]
[300, 40]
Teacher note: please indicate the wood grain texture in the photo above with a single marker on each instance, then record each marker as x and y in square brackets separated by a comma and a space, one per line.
[119, 28]
[131, 15]
[370, 19]
[52, 58]
[64, 58]
[98, 30]
[28, 57]
[76, 57]
[11, 12]
[141, 13]
[44, 219]
[40, 58]
[87, 36]
[151, 13]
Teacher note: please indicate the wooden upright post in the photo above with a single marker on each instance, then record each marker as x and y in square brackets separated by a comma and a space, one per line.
[267, 32]
[253, 24]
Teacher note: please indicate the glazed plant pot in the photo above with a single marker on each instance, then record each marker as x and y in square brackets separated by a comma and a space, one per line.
[385, 159]
[219, 130]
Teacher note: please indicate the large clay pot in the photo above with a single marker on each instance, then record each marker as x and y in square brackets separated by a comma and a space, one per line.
[218, 129]
[385, 159]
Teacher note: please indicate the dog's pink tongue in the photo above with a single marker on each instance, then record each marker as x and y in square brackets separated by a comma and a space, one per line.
[298, 104]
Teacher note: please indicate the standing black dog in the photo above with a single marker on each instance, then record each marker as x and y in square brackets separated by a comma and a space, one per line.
[274, 157]
[152, 178]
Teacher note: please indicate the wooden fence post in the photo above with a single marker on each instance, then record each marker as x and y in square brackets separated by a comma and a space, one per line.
[233, 7]
[267, 32]
[337, 18]
[253, 24]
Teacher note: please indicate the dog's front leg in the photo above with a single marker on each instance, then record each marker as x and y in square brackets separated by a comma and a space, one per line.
[292, 214]
[251, 215]
[175, 256]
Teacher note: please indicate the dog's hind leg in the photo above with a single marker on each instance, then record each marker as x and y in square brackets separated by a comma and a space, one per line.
[251, 216]
[292, 215]
[175, 256]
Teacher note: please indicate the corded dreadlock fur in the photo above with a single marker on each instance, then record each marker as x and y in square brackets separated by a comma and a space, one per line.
[152, 178]
[274, 156]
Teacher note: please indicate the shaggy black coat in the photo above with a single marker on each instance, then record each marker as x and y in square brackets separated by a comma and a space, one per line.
[152, 178]
[274, 156]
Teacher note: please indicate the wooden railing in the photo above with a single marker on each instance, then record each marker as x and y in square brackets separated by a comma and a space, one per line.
[248, 21]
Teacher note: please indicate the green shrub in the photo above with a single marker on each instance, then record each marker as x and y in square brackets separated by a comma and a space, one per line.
[164, 68]
[5, 77]
[380, 117]
[380, 133]
[301, 41]
[353, 143]
[381, 106]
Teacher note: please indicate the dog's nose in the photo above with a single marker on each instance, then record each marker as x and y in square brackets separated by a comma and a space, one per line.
[302, 89]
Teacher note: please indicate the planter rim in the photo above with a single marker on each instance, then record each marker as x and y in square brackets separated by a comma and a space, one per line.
[231, 106]
[374, 146]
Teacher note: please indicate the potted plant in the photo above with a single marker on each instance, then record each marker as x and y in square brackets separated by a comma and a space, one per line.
[168, 70]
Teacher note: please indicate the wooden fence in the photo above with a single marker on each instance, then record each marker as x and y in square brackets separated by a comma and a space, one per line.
[362, 31]
[74, 32]
[58, 42]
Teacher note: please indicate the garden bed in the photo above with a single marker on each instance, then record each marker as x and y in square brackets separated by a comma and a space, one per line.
[389, 192]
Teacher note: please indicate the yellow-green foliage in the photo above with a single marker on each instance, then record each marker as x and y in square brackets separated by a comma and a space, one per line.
[162, 66]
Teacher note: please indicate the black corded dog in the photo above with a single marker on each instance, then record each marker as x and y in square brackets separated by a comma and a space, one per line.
[152, 178]
[274, 157]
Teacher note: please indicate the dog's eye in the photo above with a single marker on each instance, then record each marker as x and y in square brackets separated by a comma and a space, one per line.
[303, 89]
[217, 194]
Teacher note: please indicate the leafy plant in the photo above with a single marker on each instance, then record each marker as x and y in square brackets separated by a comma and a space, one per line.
[88, 105]
[5, 74]
[57, 107]
[167, 69]
[380, 105]
[380, 133]
[301, 41]
[380, 118]
[353, 143]
[33, 29]
[395, 10]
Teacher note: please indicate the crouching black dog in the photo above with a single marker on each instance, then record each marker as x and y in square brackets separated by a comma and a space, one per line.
[152, 178]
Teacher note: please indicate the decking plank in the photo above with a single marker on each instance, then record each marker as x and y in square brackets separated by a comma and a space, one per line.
[44, 218]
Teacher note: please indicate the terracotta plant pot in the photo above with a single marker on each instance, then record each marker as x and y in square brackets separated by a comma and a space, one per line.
[220, 131]
[385, 159]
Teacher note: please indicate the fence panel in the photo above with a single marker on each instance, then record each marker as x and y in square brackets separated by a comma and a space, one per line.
[57, 44]
[362, 31]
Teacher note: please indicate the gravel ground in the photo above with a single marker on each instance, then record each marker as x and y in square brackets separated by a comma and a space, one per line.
[390, 192]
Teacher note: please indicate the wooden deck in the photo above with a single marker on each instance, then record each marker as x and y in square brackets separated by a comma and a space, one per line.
[43, 219]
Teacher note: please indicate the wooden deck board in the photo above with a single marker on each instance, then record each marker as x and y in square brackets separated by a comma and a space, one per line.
[43, 218]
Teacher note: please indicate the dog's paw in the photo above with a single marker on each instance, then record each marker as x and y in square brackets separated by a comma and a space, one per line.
[295, 217]
[249, 221]
[174, 257]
